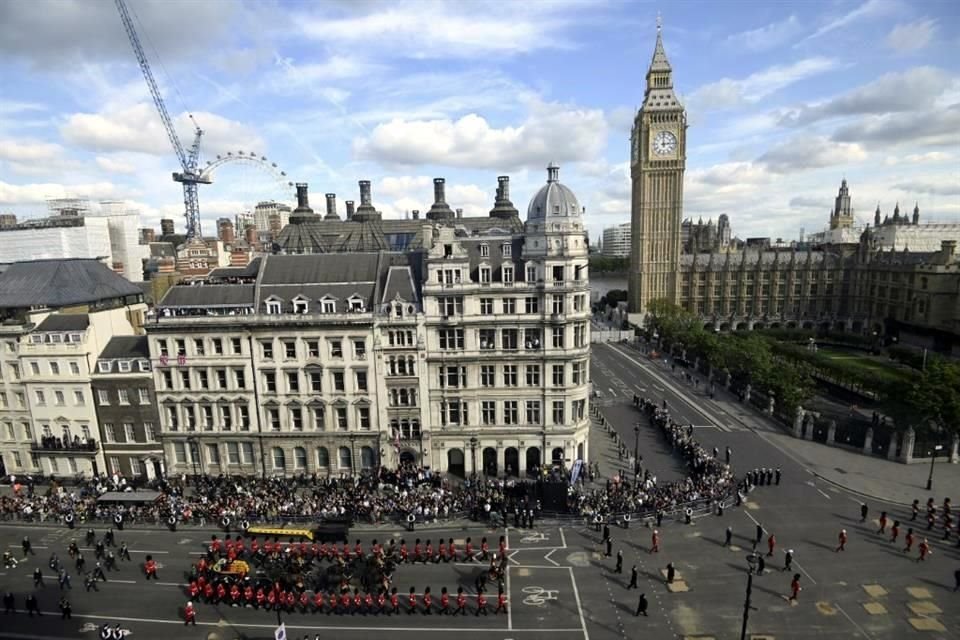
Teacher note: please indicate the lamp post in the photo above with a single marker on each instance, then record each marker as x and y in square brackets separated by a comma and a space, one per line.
[543, 458]
[636, 452]
[353, 454]
[194, 454]
[751, 560]
[933, 457]
[473, 454]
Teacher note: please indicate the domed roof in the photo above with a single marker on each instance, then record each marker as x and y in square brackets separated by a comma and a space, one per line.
[553, 199]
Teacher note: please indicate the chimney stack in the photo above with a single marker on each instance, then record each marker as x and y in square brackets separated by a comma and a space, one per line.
[331, 207]
[440, 210]
[349, 209]
[365, 199]
[949, 249]
[166, 227]
[416, 214]
[250, 233]
[366, 211]
[303, 202]
[459, 213]
[502, 207]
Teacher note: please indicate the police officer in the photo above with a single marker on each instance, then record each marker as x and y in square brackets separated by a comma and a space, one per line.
[108, 537]
[728, 537]
[110, 561]
[788, 560]
[609, 551]
[641, 605]
[32, 606]
[27, 548]
[777, 476]
[66, 610]
[98, 573]
[9, 604]
[124, 552]
[90, 582]
[634, 574]
[863, 512]
[38, 578]
[671, 573]
[64, 579]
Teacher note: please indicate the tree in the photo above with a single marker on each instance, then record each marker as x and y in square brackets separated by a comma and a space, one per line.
[935, 398]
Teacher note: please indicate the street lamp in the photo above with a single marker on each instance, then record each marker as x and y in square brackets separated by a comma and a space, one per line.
[353, 454]
[473, 454]
[194, 454]
[636, 452]
[543, 458]
[752, 561]
[933, 457]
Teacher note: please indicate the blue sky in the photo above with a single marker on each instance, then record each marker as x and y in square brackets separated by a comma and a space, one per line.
[784, 100]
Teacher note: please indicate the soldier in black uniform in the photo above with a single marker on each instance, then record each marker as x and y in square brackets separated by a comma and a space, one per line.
[641, 605]
[728, 538]
[32, 606]
[65, 609]
[9, 604]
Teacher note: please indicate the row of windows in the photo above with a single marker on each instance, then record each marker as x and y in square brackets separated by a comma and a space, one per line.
[270, 349]
[456, 376]
[227, 417]
[53, 367]
[747, 307]
[749, 290]
[19, 400]
[453, 305]
[127, 433]
[301, 304]
[292, 381]
[124, 396]
[511, 339]
[242, 453]
[56, 338]
[59, 397]
[450, 276]
[455, 412]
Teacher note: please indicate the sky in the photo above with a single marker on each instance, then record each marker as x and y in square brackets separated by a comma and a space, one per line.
[784, 100]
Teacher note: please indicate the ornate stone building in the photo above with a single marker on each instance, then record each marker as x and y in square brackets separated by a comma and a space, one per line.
[455, 342]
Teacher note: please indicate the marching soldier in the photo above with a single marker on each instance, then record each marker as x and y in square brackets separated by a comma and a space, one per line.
[395, 601]
[634, 574]
[98, 573]
[38, 578]
[655, 542]
[641, 605]
[501, 603]
[842, 539]
[895, 531]
[788, 560]
[66, 611]
[909, 540]
[189, 615]
[412, 602]
[427, 602]
[925, 550]
[32, 605]
[90, 582]
[883, 523]
[481, 604]
[461, 602]
[9, 603]
[728, 537]
[444, 601]
[795, 587]
[150, 568]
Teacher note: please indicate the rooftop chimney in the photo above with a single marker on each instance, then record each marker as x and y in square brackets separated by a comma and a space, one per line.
[440, 209]
[303, 202]
[502, 207]
[250, 233]
[416, 214]
[331, 207]
[459, 213]
[349, 209]
[949, 249]
[366, 211]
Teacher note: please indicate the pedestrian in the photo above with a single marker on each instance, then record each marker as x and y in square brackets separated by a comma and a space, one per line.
[915, 509]
[956, 580]
[728, 537]
[759, 533]
[189, 614]
[32, 605]
[842, 539]
[38, 578]
[671, 573]
[771, 545]
[609, 545]
[27, 547]
[863, 512]
[716, 453]
[655, 542]
[66, 610]
[606, 532]
[925, 550]
[761, 565]
[895, 531]
[10, 606]
[909, 540]
[728, 448]
[788, 560]
[641, 605]
[619, 568]
[634, 574]
[778, 474]
[795, 587]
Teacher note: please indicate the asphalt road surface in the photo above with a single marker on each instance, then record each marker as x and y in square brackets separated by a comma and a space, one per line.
[560, 585]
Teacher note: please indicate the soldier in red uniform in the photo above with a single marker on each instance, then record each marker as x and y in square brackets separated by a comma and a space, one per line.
[189, 615]
[428, 556]
[261, 597]
[202, 566]
[272, 600]
[208, 592]
[924, 549]
[503, 546]
[346, 552]
[461, 602]
[412, 602]
[417, 551]
[368, 602]
[427, 602]
[481, 603]
[215, 544]
[771, 544]
[254, 546]
[268, 547]
[442, 551]
[234, 595]
[403, 551]
[150, 568]
[655, 542]
[501, 602]
[895, 531]
[468, 550]
[358, 549]
[344, 601]
[193, 590]
[451, 550]
[318, 601]
[444, 601]
[221, 592]
[842, 539]
[883, 523]
[248, 598]
[795, 587]
[381, 601]
[484, 549]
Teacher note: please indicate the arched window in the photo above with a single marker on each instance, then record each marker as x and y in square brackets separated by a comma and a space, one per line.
[323, 457]
[300, 458]
[366, 458]
[279, 459]
[345, 458]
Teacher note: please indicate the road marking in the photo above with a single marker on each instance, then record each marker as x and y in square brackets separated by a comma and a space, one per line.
[147, 551]
[123, 581]
[549, 559]
[859, 628]
[171, 584]
[576, 597]
[821, 492]
[612, 392]
[563, 539]
[32, 546]
[510, 601]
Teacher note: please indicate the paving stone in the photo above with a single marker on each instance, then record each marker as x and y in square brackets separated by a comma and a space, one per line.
[874, 590]
[924, 608]
[874, 608]
[926, 624]
[920, 593]
[678, 586]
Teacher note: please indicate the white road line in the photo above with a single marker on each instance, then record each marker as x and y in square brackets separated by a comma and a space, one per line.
[147, 551]
[859, 628]
[123, 581]
[536, 548]
[563, 539]
[551, 560]
[171, 584]
[32, 546]
[810, 577]
[612, 392]
[820, 491]
[509, 602]
[576, 597]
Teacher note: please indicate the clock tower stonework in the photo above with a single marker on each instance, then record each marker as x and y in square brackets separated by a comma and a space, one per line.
[658, 160]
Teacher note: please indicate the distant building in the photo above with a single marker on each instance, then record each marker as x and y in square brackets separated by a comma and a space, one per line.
[7, 220]
[166, 227]
[616, 241]
[225, 231]
[148, 235]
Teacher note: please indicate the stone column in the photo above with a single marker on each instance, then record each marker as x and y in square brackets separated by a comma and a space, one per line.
[831, 431]
[798, 423]
[955, 449]
[868, 442]
[810, 423]
[909, 439]
[892, 451]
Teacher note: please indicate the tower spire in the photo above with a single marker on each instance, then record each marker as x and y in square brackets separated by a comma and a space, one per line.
[659, 62]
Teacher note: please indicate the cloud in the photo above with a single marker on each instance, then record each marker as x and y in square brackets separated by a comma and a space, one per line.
[810, 152]
[396, 196]
[728, 92]
[905, 91]
[63, 33]
[912, 36]
[869, 9]
[621, 118]
[290, 78]
[806, 202]
[768, 36]
[138, 128]
[112, 165]
[29, 151]
[37, 193]
[446, 29]
[939, 127]
[552, 131]
[950, 186]
[731, 174]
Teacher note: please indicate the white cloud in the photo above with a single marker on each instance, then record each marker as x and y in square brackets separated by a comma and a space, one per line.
[29, 151]
[940, 127]
[869, 9]
[552, 131]
[810, 152]
[912, 36]
[729, 92]
[769, 36]
[112, 165]
[807, 202]
[396, 196]
[446, 29]
[918, 158]
[37, 193]
[943, 185]
[138, 128]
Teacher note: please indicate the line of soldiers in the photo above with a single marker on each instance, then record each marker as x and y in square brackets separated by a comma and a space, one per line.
[947, 520]
[764, 476]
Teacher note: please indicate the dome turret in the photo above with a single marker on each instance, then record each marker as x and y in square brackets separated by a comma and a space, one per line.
[553, 200]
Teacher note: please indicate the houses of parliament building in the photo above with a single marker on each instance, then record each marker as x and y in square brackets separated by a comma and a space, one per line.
[898, 276]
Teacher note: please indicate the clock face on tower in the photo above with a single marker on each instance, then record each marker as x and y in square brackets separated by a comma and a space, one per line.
[664, 143]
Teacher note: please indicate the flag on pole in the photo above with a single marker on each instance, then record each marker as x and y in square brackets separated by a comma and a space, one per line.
[281, 632]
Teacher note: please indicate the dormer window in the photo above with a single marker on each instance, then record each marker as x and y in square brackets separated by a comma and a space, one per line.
[103, 366]
[124, 366]
[56, 338]
[300, 305]
[484, 251]
[508, 275]
[74, 337]
[356, 304]
[507, 249]
[143, 365]
[328, 305]
[36, 339]
[484, 275]
[274, 306]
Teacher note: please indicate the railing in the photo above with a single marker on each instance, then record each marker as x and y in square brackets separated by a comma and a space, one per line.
[49, 444]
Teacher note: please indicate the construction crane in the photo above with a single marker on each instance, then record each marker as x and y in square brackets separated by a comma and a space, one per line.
[190, 177]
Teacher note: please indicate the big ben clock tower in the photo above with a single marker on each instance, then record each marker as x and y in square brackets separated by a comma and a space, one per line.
[658, 159]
